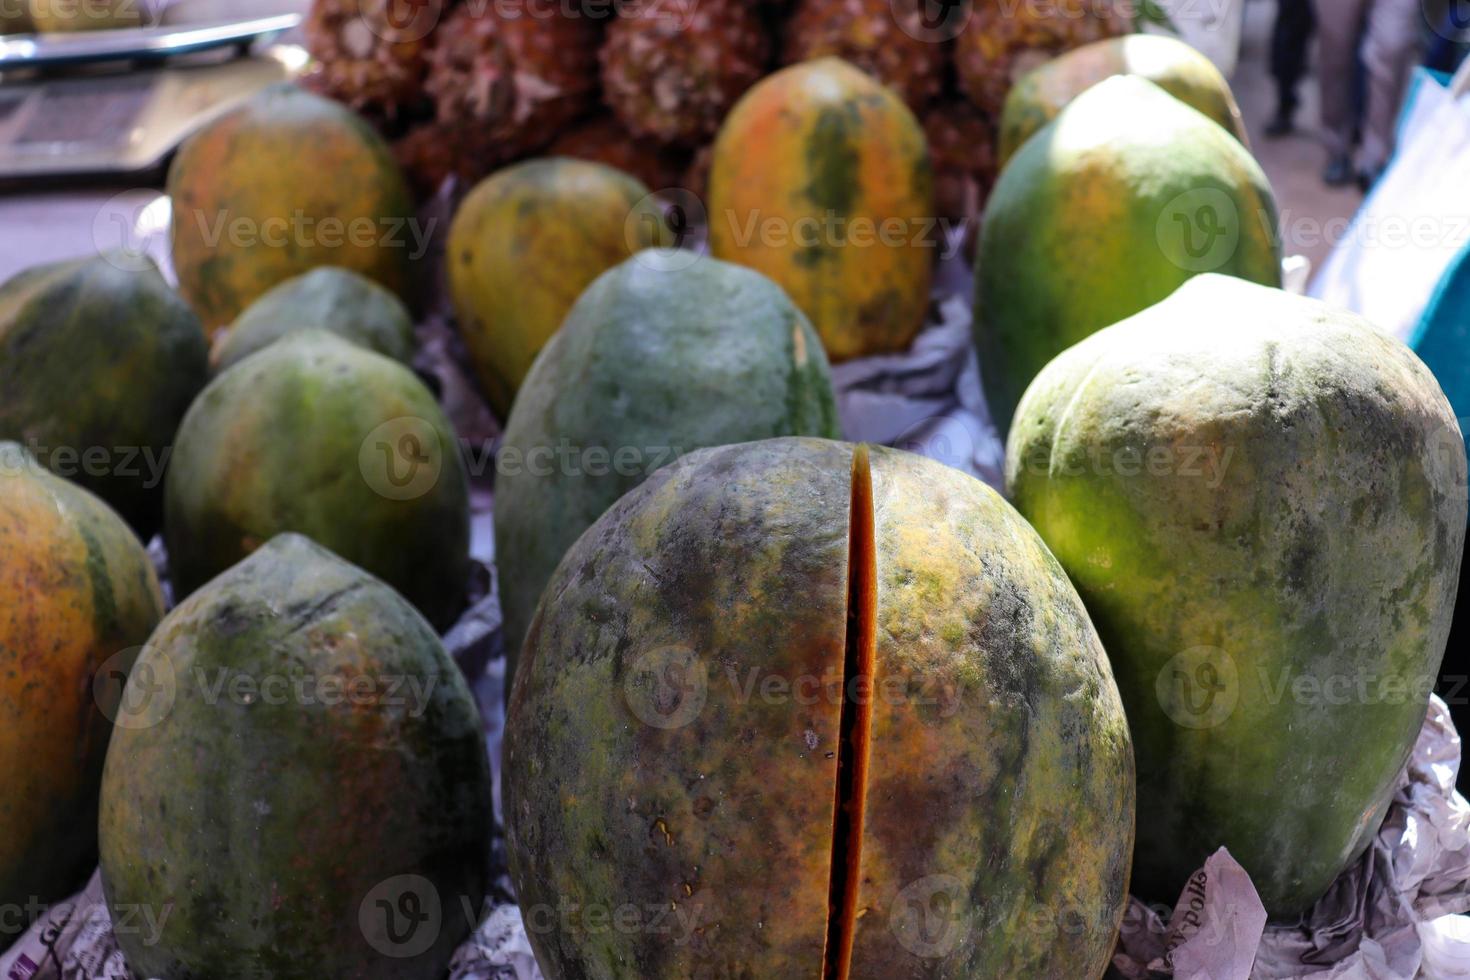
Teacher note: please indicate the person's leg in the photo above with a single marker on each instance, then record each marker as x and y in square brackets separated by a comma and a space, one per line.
[1395, 36]
[1289, 38]
[1339, 33]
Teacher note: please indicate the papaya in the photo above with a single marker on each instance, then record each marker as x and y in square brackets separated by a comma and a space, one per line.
[328, 298]
[283, 183]
[524, 245]
[99, 360]
[80, 597]
[650, 364]
[1107, 210]
[1261, 499]
[826, 711]
[322, 437]
[821, 179]
[314, 801]
[1168, 62]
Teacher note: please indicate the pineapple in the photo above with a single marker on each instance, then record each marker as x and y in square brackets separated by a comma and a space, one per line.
[505, 77]
[373, 54]
[671, 69]
[1004, 39]
[885, 38]
[602, 139]
[962, 148]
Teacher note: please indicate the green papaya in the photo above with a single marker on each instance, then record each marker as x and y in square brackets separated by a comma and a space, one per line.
[1262, 501]
[317, 435]
[654, 360]
[305, 790]
[1119, 200]
[340, 301]
[99, 360]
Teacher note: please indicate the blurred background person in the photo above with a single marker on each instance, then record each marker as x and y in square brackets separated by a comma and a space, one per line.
[1289, 39]
[1389, 36]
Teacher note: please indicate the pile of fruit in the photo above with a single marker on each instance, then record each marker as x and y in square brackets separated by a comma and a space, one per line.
[464, 88]
[824, 709]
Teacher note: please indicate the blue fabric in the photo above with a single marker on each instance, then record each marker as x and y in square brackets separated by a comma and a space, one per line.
[1442, 336]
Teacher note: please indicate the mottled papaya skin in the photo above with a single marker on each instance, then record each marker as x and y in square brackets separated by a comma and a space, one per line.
[1001, 773]
[79, 593]
[673, 734]
[319, 436]
[99, 360]
[263, 822]
[1168, 62]
[1262, 501]
[718, 832]
[284, 183]
[336, 300]
[809, 169]
[1121, 199]
[655, 360]
[524, 245]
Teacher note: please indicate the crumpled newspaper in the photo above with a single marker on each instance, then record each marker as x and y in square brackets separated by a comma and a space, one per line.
[1397, 913]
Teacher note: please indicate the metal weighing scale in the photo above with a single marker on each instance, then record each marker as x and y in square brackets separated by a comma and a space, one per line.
[116, 103]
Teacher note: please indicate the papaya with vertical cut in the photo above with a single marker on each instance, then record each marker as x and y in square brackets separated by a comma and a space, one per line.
[80, 595]
[804, 709]
[821, 179]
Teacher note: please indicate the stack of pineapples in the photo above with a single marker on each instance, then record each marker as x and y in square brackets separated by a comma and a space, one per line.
[466, 86]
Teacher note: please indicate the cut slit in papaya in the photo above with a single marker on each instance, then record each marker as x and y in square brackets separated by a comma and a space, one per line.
[854, 724]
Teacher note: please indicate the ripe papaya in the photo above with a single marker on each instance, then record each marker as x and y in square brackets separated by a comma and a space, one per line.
[821, 179]
[317, 435]
[1262, 501]
[1112, 206]
[654, 361]
[328, 298]
[1168, 62]
[307, 792]
[99, 360]
[277, 186]
[828, 712]
[524, 245]
[80, 597]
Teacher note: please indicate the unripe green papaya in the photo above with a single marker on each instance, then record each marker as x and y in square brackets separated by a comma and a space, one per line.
[1262, 501]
